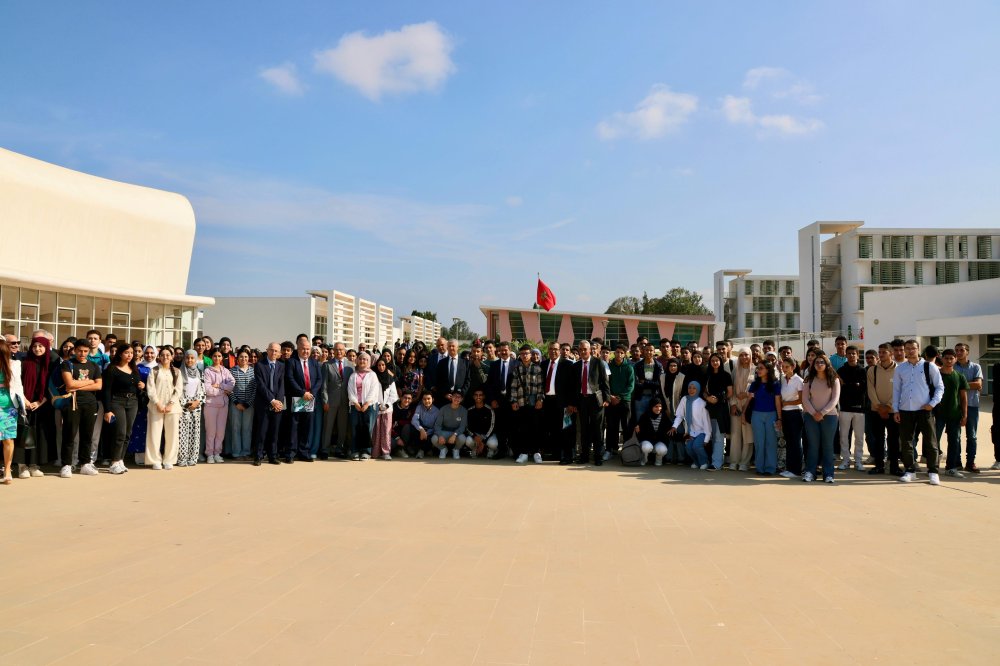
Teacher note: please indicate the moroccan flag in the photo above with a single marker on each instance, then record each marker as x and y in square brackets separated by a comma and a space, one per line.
[545, 299]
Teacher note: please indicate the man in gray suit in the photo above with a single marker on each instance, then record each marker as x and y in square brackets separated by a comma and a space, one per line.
[336, 373]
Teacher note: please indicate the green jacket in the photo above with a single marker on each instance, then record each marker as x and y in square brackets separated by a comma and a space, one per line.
[622, 379]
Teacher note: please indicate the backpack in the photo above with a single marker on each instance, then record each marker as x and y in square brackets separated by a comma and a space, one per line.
[57, 387]
[632, 455]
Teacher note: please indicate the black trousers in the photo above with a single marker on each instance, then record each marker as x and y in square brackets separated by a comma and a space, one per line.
[524, 439]
[617, 419]
[882, 434]
[591, 415]
[124, 407]
[504, 423]
[910, 423]
[557, 438]
[79, 421]
[791, 426]
[266, 423]
[298, 444]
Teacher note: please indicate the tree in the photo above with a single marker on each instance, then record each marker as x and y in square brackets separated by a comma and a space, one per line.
[459, 330]
[676, 301]
[425, 314]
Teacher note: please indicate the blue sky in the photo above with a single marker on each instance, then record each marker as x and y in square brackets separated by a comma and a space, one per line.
[437, 155]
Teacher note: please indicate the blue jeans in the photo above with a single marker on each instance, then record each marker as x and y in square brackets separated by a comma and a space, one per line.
[316, 430]
[820, 436]
[240, 426]
[718, 446]
[971, 426]
[362, 425]
[696, 450]
[765, 441]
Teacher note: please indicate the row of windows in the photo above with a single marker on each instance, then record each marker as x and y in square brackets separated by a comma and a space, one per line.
[946, 272]
[584, 329]
[771, 320]
[769, 287]
[901, 247]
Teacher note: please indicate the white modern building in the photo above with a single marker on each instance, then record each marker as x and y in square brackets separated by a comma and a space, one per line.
[840, 263]
[414, 328]
[942, 315]
[52, 283]
[756, 305]
[334, 315]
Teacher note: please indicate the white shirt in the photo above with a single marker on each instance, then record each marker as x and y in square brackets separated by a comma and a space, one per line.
[554, 367]
[790, 390]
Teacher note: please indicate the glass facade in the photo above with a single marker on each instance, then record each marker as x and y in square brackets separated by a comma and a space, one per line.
[22, 310]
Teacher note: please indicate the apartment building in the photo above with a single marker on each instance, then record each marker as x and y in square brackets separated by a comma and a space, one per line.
[415, 328]
[756, 305]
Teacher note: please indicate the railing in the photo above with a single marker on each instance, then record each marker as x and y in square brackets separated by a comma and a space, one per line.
[829, 261]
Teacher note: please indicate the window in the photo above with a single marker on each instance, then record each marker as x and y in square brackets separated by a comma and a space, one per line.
[650, 330]
[320, 325]
[789, 287]
[47, 307]
[550, 325]
[865, 290]
[615, 332]
[918, 273]
[583, 327]
[985, 270]
[930, 247]
[768, 287]
[763, 305]
[692, 332]
[888, 272]
[984, 247]
[85, 310]
[769, 320]
[748, 287]
[747, 321]
[963, 247]
[865, 247]
[897, 247]
[949, 247]
[790, 321]
[947, 272]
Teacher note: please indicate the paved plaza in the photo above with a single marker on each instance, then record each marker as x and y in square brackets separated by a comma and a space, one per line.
[478, 562]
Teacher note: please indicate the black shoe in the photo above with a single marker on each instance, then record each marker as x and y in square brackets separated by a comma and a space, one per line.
[897, 471]
[598, 462]
[323, 456]
[565, 462]
[273, 461]
[289, 460]
[876, 470]
[579, 461]
[256, 462]
[305, 458]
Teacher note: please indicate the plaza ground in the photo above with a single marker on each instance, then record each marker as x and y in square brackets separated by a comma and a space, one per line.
[478, 562]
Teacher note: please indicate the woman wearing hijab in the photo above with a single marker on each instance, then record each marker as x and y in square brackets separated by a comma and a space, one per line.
[697, 425]
[672, 386]
[718, 392]
[363, 395]
[741, 441]
[192, 395]
[382, 438]
[219, 384]
[11, 404]
[35, 370]
[164, 387]
[137, 442]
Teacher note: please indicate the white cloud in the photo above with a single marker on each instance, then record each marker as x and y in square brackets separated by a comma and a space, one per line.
[414, 58]
[780, 83]
[514, 201]
[284, 78]
[660, 112]
[755, 76]
[739, 111]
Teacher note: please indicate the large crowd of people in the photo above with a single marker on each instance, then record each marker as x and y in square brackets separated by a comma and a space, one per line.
[93, 401]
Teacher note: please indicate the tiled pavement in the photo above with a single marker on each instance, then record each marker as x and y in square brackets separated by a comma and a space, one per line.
[469, 562]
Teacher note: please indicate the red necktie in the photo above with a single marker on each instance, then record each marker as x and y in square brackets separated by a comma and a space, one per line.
[305, 372]
[583, 379]
[340, 369]
[548, 377]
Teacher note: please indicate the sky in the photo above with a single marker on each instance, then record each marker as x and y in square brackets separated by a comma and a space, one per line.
[438, 155]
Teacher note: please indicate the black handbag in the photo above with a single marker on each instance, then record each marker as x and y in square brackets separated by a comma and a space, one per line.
[26, 430]
[748, 410]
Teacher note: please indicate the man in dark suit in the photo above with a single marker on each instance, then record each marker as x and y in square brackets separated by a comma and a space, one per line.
[590, 393]
[498, 395]
[452, 375]
[437, 354]
[558, 377]
[336, 373]
[268, 404]
[303, 381]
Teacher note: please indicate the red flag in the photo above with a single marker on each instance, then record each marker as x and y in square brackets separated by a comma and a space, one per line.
[545, 299]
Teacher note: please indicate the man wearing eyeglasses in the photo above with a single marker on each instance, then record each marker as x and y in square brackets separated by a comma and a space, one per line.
[15, 347]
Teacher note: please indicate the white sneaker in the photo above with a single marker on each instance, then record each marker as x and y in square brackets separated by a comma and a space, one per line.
[491, 453]
[24, 473]
[157, 466]
[859, 467]
[789, 475]
[420, 454]
[35, 471]
[88, 470]
[995, 465]
[605, 457]
[167, 466]
[952, 472]
[211, 460]
[366, 456]
[907, 477]
[403, 453]
[659, 461]
[844, 465]
[827, 479]
[744, 468]
[219, 459]
[933, 479]
[537, 458]
[456, 454]
[118, 467]
[443, 453]
[693, 465]
[807, 477]
[65, 472]
[386, 456]
[703, 467]
[521, 459]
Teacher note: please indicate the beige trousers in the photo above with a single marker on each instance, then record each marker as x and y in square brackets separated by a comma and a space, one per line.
[740, 441]
[169, 425]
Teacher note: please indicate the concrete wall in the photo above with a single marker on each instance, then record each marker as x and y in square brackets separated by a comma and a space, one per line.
[256, 321]
[53, 201]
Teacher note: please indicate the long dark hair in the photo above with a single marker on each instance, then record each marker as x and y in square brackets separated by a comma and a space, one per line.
[120, 348]
[828, 373]
[5, 362]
